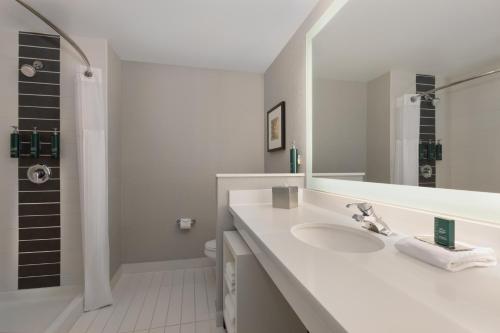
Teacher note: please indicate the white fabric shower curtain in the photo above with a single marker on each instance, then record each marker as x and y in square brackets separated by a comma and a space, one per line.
[406, 169]
[91, 128]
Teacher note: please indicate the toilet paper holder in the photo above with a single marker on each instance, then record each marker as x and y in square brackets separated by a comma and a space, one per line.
[185, 223]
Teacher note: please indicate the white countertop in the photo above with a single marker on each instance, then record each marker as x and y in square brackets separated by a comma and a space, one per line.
[384, 291]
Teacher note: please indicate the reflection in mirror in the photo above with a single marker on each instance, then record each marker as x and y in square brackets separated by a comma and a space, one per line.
[369, 125]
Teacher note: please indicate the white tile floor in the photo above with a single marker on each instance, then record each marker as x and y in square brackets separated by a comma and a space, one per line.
[177, 301]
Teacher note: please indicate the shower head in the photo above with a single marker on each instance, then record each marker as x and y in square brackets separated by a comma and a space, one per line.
[30, 70]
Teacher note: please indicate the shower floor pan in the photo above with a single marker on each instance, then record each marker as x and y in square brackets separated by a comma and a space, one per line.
[34, 310]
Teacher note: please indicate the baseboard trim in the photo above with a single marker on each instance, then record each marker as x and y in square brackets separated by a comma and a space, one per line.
[66, 319]
[118, 274]
[157, 266]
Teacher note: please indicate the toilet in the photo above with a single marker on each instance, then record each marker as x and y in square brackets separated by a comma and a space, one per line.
[211, 249]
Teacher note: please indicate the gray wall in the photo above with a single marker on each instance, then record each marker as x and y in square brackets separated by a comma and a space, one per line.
[339, 122]
[378, 131]
[114, 159]
[473, 138]
[8, 166]
[285, 80]
[181, 126]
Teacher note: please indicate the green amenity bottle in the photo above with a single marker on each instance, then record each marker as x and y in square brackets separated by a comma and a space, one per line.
[293, 159]
[15, 143]
[35, 144]
[55, 145]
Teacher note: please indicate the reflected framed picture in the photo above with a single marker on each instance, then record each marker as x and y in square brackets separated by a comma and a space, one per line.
[276, 128]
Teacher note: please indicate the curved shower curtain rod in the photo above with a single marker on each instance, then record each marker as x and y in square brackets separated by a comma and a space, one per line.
[427, 94]
[88, 72]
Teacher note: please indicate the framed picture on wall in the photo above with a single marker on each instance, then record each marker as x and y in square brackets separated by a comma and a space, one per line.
[276, 128]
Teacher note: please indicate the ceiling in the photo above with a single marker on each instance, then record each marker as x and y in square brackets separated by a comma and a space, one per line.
[243, 35]
[442, 37]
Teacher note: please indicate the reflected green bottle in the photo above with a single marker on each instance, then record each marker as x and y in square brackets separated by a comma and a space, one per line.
[35, 144]
[55, 145]
[439, 151]
[432, 150]
[15, 143]
[293, 159]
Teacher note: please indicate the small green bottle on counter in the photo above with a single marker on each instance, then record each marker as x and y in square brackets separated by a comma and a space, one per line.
[15, 143]
[35, 144]
[293, 158]
[55, 144]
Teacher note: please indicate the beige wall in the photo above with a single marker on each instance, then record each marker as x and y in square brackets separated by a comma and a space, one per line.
[378, 130]
[339, 122]
[8, 166]
[114, 159]
[285, 80]
[473, 137]
[181, 126]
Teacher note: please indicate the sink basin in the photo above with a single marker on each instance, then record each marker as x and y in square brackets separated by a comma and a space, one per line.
[337, 238]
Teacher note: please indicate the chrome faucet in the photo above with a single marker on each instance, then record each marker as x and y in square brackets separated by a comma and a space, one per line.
[369, 219]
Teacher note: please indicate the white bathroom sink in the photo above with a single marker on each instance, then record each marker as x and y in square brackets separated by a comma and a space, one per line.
[337, 238]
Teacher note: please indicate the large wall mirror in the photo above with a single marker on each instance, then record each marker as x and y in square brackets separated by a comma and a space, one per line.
[387, 105]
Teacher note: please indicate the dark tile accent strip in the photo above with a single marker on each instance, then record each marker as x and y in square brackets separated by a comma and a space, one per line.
[427, 137]
[428, 129]
[33, 100]
[428, 121]
[45, 77]
[48, 65]
[38, 88]
[427, 113]
[38, 209]
[28, 161]
[36, 197]
[34, 112]
[39, 282]
[39, 221]
[41, 125]
[51, 184]
[38, 270]
[39, 233]
[427, 118]
[39, 40]
[38, 53]
[426, 79]
[40, 245]
[39, 258]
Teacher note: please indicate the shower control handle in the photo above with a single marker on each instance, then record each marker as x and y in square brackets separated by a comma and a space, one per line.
[38, 173]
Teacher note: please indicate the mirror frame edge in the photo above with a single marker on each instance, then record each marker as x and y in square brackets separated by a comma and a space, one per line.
[466, 205]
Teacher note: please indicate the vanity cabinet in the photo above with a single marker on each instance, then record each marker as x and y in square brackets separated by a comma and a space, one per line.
[259, 305]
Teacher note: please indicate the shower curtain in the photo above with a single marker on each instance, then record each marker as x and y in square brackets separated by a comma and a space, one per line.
[91, 126]
[406, 168]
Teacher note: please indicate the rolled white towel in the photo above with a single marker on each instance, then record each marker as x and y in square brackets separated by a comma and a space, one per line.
[229, 309]
[452, 261]
[230, 322]
[230, 270]
[231, 283]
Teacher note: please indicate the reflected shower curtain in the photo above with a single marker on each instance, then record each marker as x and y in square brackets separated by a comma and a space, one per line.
[91, 126]
[406, 167]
